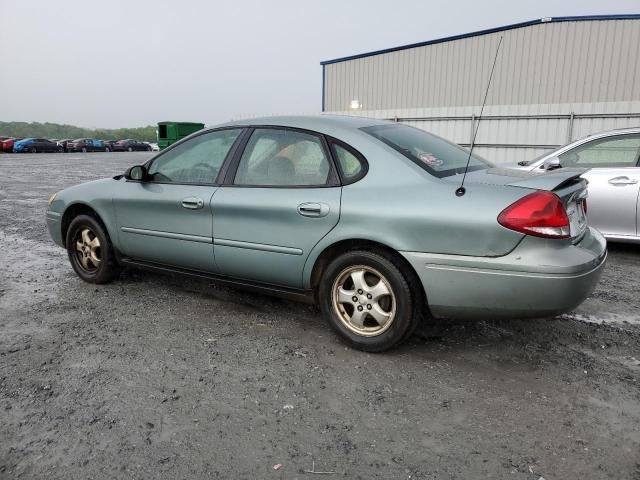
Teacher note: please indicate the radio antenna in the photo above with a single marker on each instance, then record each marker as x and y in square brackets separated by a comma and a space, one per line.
[461, 190]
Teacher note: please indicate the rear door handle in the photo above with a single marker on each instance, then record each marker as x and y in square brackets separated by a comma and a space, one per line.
[624, 180]
[193, 203]
[312, 209]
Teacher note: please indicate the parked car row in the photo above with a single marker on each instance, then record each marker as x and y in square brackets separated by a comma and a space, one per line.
[38, 145]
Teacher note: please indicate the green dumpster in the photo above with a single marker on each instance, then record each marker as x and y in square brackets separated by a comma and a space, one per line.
[171, 132]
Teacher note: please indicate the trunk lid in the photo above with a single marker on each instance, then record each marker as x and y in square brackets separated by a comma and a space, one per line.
[566, 183]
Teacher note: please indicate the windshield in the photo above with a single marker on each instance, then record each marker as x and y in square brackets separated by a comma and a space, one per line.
[436, 155]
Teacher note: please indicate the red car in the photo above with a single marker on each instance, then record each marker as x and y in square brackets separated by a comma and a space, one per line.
[6, 145]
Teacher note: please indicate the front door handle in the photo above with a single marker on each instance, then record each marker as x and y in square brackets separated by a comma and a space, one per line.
[312, 209]
[624, 180]
[193, 203]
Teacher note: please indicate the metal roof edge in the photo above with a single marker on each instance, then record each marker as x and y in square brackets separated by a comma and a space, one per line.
[628, 16]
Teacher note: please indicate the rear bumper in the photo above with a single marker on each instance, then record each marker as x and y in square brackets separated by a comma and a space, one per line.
[538, 278]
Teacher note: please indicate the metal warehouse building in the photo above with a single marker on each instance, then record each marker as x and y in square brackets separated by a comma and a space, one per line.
[556, 80]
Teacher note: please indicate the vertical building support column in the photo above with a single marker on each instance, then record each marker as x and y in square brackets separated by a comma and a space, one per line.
[570, 128]
[473, 124]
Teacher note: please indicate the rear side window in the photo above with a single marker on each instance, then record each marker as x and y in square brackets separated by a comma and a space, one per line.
[352, 165]
[275, 157]
[436, 155]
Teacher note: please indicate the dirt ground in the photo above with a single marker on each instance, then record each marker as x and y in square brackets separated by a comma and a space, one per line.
[160, 377]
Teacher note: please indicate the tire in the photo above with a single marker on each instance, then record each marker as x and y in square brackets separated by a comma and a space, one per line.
[33, 150]
[84, 149]
[107, 149]
[402, 305]
[130, 149]
[148, 149]
[96, 262]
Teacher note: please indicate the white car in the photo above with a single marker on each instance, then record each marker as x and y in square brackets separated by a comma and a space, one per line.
[613, 158]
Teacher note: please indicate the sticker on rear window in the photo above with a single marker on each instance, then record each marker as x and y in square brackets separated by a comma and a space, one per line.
[430, 159]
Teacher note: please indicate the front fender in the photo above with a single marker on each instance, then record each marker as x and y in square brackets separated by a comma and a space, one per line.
[96, 195]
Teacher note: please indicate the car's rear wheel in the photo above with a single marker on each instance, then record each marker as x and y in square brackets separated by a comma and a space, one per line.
[33, 150]
[369, 300]
[90, 250]
[130, 149]
[107, 149]
[84, 149]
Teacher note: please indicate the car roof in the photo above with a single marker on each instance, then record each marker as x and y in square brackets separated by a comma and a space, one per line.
[320, 123]
[608, 133]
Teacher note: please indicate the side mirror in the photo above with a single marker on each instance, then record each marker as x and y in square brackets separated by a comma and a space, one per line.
[137, 173]
[551, 163]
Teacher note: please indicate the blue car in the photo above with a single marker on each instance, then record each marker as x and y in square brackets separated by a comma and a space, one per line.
[35, 145]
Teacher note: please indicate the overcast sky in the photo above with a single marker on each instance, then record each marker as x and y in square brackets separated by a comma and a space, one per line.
[125, 63]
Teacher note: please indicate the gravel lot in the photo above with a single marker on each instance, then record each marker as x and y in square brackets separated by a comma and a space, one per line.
[160, 377]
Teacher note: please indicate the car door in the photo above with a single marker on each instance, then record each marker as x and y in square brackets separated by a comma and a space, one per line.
[614, 181]
[281, 196]
[167, 219]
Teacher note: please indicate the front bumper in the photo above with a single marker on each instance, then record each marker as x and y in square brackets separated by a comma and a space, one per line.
[54, 224]
[540, 277]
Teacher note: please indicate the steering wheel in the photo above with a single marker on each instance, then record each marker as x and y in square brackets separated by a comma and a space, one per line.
[206, 166]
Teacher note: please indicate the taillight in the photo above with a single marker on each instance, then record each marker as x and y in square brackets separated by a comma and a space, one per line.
[540, 214]
[584, 205]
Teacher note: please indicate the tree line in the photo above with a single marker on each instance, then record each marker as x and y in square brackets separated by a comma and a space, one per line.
[55, 130]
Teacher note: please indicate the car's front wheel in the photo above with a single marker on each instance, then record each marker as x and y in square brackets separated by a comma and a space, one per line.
[130, 149]
[369, 300]
[33, 150]
[90, 250]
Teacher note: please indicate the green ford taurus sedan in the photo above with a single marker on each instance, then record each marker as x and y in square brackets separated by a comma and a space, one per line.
[360, 216]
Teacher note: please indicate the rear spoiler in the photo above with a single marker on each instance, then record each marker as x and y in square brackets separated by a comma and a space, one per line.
[553, 180]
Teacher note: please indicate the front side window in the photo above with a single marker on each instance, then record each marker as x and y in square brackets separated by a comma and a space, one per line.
[197, 160]
[615, 152]
[436, 155]
[275, 157]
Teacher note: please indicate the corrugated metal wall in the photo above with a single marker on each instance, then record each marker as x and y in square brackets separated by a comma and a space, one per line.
[553, 82]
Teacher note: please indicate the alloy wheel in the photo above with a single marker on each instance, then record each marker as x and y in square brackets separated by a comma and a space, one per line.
[364, 300]
[88, 249]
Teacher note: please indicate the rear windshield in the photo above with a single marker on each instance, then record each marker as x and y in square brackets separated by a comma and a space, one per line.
[436, 155]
